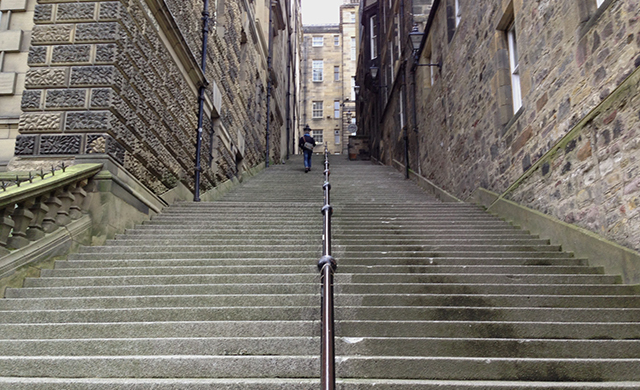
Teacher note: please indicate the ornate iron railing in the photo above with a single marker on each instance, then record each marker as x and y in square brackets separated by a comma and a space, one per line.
[327, 266]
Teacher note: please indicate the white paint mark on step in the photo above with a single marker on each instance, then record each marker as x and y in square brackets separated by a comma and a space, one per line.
[352, 340]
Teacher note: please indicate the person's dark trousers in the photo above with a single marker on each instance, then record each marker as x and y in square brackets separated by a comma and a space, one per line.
[307, 159]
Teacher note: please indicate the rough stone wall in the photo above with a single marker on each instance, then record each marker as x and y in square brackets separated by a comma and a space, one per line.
[549, 155]
[104, 78]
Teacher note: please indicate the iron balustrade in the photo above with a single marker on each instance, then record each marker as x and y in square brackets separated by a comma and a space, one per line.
[327, 266]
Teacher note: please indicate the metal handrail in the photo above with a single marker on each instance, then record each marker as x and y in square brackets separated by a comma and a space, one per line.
[327, 266]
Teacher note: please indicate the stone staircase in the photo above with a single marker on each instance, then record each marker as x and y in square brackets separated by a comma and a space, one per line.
[225, 295]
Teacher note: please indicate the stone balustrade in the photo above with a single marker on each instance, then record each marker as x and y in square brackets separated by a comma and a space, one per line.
[31, 210]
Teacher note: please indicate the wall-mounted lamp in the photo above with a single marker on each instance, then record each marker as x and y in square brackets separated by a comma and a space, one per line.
[415, 38]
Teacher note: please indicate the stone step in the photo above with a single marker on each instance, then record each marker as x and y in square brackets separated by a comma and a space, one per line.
[156, 290]
[446, 368]
[363, 262]
[349, 346]
[163, 329]
[372, 244]
[171, 280]
[312, 298]
[370, 279]
[297, 384]
[579, 294]
[359, 328]
[281, 313]
[177, 269]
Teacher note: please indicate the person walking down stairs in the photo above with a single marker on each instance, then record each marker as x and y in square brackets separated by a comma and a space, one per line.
[307, 143]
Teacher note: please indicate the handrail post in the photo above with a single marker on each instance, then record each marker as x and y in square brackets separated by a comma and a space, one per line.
[327, 266]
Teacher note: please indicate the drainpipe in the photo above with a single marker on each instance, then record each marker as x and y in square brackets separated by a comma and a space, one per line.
[203, 87]
[288, 83]
[403, 91]
[269, 64]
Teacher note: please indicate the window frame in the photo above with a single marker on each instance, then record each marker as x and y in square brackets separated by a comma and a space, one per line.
[336, 73]
[317, 109]
[318, 136]
[314, 41]
[336, 109]
[317, 71]
[514, 67]
[373, 36]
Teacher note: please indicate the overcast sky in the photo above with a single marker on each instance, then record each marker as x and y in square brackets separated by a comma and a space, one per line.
[321, 11]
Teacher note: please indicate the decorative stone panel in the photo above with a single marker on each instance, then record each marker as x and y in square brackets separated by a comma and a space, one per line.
[31, 100]
[66, 98]
[43, 13]
[59, 33]
[76, 12]
[46, 77]
[32, 122]
[92, 76]
[37, 55]
[96, 32]
[25, 145]
[68, 54]
[60, 144]
[88, 121]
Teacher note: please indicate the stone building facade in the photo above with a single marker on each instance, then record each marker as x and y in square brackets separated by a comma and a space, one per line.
[328, 80]
[16, 23]
[536, 101]
[121, 79]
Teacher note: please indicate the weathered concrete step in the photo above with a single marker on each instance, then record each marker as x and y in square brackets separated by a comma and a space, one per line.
[177, 269]
[343, 262]
[179, 366]
[447, 246]
[203, 346]
[339, 251]
[171, 279]
[312, 298]
[202, 248]
[306, 367]
[414, 260]
[159, 254]
[487, 288]
[161, 329]
[180, 263]
[254, 313]
[496, 314]
[477, 278]
[450, 368]
[162, 301]
[373, 244]
[275, 313]
[337, 234]
[426, 231]
[297, 384]
[132, 291]
[360, 346]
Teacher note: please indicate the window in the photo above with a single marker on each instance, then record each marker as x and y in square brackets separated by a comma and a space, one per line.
[599, 2]
[458, 13]
[353, 88]
[373, 32]
[432, 72]
[317, 41]
[336, 40]
[515, 69]
[353, 48]
[352, 17]
[337, 137]
[317, 70]
[336, 109]
[317, 136]
[316, 110]
[336, 73]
